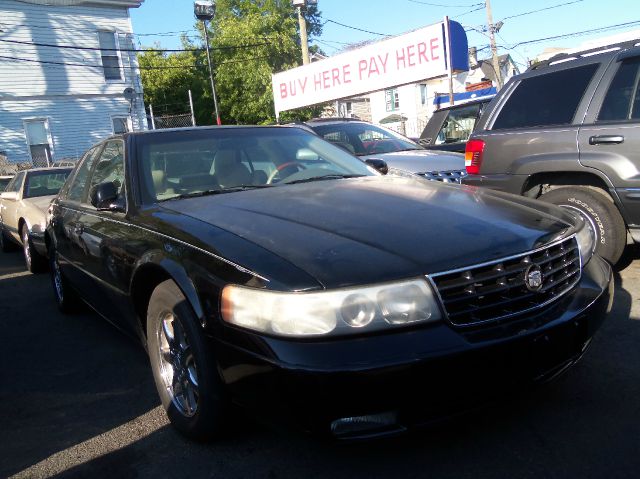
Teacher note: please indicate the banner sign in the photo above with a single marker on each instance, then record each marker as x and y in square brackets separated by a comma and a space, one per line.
[407, 58]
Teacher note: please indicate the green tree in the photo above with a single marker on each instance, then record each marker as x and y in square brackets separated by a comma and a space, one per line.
[167, 78]
[251, 40]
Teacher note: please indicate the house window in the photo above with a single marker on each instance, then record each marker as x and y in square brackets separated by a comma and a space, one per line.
[39, 141]
[423, 94]
[110, 58]
[120, 124]
[391, 99]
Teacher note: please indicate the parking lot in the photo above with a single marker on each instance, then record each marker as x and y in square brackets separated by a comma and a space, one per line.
[77, 400]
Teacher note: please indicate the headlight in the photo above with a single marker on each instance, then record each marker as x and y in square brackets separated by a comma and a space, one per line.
[586, 237]
[342, 311]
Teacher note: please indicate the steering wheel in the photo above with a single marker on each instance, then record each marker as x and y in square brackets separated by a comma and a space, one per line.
[281, 167]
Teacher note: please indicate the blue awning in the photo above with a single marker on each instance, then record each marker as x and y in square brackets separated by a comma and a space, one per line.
[443, 100]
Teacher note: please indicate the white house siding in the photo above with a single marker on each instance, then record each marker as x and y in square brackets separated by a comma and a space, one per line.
[74, 123]
[76, 99]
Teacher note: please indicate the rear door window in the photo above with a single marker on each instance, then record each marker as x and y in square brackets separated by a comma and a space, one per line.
[546, 100]
[622, 101]
[458, 125]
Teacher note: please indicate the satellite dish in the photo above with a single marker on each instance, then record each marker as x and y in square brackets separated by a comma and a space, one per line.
[129, 93]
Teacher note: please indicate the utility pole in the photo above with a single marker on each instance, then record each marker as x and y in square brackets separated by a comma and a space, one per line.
[205, 10]
[304, 39]
[493, 29]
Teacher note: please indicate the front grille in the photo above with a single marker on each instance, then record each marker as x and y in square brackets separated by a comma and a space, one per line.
[497, 290]
[452, 176]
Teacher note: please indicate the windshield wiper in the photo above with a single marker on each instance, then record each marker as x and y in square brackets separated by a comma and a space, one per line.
[320, 178]
[219, 191]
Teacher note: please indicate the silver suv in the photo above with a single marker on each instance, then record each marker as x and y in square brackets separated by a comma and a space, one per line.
[567, 131]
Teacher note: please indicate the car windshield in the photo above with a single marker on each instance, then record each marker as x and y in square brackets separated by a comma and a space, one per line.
[44, 183]
[363, 138]
[4, 182]
[179, 164]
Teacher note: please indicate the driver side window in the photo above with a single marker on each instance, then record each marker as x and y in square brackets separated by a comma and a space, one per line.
[109, 166]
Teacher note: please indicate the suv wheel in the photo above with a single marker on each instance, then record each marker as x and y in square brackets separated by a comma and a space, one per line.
[598, 209]
[183, 365]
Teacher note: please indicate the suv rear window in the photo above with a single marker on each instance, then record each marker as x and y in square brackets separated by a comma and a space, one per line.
[546, 100]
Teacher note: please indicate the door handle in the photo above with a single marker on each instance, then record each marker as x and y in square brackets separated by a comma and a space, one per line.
[78, 228]
[606, 140]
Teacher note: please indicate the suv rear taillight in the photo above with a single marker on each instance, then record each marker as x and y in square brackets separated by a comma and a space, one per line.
[473, 156]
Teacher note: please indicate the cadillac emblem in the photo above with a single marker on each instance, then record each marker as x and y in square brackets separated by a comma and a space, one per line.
[533, 278]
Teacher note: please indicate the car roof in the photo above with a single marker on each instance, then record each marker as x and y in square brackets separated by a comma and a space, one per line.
[160, 131]
[54, 168]
[485, 99]
[606, 51]
[329, 121]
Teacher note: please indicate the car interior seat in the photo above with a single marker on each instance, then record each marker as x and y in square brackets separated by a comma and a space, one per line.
[229, 171]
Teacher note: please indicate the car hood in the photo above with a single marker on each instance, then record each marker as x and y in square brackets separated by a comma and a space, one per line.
[418, 161]
[372, 229]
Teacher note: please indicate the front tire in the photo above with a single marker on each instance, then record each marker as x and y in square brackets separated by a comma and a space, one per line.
[66, 298]
[597, 208]
[183, 365]
[34, 261]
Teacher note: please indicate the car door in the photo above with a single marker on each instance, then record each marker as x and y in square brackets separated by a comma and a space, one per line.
[68, 233]
[534, 125]
[9, 207]
[609, 140]
[103, 257]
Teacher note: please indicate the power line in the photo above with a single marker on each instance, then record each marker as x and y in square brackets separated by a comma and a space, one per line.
[443, 5]
[574, 34]
[74, 47]
[542, 9]
[470, 11]
[128, 67]
[356, 28]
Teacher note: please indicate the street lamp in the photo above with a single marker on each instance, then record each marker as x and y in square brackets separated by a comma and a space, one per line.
[205, 10]
[304, 41]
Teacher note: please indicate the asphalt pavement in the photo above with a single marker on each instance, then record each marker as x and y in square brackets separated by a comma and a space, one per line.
[77, 400]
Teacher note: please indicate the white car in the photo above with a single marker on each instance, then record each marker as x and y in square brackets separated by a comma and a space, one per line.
[23, 208]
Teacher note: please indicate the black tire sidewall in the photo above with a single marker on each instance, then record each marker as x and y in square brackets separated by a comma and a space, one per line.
[611, 234]
[212, 412]
[70, 301]
[37, 262]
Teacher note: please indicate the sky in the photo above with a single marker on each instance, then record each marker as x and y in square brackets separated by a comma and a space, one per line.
[393, 17]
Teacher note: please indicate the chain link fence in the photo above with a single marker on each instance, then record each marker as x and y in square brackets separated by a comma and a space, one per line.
[173, 121]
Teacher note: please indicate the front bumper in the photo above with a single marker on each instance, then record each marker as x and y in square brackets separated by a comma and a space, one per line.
[415, 376]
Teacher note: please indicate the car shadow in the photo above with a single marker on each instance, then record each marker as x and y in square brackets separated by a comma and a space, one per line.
[84, 384]
[63, 379]
[631, 253]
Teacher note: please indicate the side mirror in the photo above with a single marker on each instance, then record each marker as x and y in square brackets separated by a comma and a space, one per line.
[105, 197]
[378, 164]
[9, 195]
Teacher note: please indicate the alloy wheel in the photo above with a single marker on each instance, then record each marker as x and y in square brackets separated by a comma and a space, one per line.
[57, 279]
[26, 248]
[177, 364]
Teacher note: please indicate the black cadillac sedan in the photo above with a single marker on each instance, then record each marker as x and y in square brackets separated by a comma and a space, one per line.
[266, 268]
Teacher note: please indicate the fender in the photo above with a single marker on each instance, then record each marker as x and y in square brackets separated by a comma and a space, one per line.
[157, 259]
